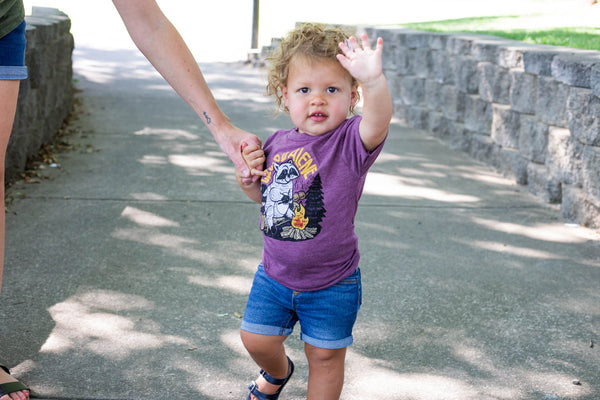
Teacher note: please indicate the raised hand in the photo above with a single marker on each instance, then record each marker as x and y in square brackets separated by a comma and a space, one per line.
[364, 64]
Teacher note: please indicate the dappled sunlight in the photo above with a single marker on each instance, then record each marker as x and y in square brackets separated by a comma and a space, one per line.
[154, 160]
[150, 229]
[93, 321]
[253, 77]
[231, 339]
[97, 66]
[373, 378]
[387, 157]
[239, 95]
[487, 177]
[557, 232]
[553, 382]
[178, 244]
[376, 379]
[208, 382]
[474, 356]
[422, 173]
[233, 283]
[167, 134]
[199, 165]
[513, 250]
[145, 218]
[395, 186]
[149, 196]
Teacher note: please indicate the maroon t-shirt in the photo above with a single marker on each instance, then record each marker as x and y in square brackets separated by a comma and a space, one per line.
[309, 200]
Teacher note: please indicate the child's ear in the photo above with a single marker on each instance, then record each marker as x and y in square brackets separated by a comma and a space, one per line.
[284, 94]
[354, 96]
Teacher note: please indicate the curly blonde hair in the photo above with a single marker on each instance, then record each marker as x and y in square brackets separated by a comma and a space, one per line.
[314, 41]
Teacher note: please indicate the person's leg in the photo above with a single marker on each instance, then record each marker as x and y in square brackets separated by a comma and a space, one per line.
[9, 91]
[325, 372]
[12, 69]
[268, 352]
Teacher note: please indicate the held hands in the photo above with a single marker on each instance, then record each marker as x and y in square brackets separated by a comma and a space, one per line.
[364, 64]
[231, 140]
[254, 157]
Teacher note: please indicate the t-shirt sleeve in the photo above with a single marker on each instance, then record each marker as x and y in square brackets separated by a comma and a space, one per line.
[360, 159]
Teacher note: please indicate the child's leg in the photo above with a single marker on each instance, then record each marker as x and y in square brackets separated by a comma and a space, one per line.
[268, 352]
[325, 372]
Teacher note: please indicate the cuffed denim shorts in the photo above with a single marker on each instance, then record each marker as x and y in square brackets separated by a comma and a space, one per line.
[12, 54]
[326, 316]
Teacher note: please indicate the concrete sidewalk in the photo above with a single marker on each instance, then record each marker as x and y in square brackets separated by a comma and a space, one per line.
[128, 269]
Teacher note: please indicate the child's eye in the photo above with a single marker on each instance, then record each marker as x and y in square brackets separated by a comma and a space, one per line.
[304, 90]
[332, 90]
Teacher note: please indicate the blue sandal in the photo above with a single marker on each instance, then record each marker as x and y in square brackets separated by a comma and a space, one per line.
[273, 381]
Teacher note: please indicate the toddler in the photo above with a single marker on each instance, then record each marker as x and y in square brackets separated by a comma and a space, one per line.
[312, 181]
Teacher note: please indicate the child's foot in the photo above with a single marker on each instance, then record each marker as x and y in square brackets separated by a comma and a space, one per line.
[9, 383]
[263, 386]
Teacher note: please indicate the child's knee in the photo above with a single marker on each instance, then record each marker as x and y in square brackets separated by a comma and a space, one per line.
[257, 344]
[325, 357]
[250, 341]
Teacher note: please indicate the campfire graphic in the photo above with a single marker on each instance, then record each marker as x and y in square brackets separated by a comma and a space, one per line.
[299, 222]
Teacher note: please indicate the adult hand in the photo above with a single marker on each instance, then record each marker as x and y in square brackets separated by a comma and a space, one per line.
[232, 140]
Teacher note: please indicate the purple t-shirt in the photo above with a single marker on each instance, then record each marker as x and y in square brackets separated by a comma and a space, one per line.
[309, 201]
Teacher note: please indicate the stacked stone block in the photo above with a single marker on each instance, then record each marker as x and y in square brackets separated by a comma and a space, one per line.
[531, 111]
[46, 96]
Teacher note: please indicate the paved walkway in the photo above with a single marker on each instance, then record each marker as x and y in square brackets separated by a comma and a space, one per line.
[128, 269]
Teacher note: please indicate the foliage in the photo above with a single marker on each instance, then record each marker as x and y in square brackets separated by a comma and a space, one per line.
[518, 28]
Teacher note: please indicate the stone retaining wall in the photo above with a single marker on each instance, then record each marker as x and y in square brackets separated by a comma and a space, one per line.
[46, 97]
[531, 111]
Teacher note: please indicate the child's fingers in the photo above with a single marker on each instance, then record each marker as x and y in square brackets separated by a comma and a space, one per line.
[379, 44]
[255, 158]
[257, 172]
[365, 41]
[249, 148]
[256, 161]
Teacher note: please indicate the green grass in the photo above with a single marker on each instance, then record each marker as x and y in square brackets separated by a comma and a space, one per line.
[529, 29]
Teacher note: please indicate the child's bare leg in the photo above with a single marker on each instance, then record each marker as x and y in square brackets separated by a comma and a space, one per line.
[325, 372]
[269, 354]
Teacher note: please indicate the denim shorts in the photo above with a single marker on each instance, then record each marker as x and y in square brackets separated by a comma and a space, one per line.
[326, 316]
[12, 54]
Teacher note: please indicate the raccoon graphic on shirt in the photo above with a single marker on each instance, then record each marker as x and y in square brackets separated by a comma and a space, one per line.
[292, 199]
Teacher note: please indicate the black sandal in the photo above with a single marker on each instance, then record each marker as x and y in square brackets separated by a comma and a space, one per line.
[11, 387]
[273, 381]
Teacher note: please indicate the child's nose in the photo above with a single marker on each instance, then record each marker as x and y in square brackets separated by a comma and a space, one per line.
[317, 99]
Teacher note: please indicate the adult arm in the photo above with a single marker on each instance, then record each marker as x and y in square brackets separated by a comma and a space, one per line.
[163, 46]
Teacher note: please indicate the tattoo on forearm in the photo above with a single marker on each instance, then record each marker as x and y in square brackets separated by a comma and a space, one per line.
[208, 119]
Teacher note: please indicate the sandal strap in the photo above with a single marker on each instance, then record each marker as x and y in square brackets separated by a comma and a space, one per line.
[274, 381]
[279, 381]
[260, 395]
[11, 387]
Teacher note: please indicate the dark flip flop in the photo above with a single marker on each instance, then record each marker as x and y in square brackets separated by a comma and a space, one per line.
[10, 387]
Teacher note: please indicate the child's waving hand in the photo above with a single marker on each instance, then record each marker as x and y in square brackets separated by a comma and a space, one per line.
[364, 63]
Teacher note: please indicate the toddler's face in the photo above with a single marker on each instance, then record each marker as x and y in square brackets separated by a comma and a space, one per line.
[318, 94]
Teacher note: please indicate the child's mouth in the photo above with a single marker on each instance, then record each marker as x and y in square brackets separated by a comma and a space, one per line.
[318, 117]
